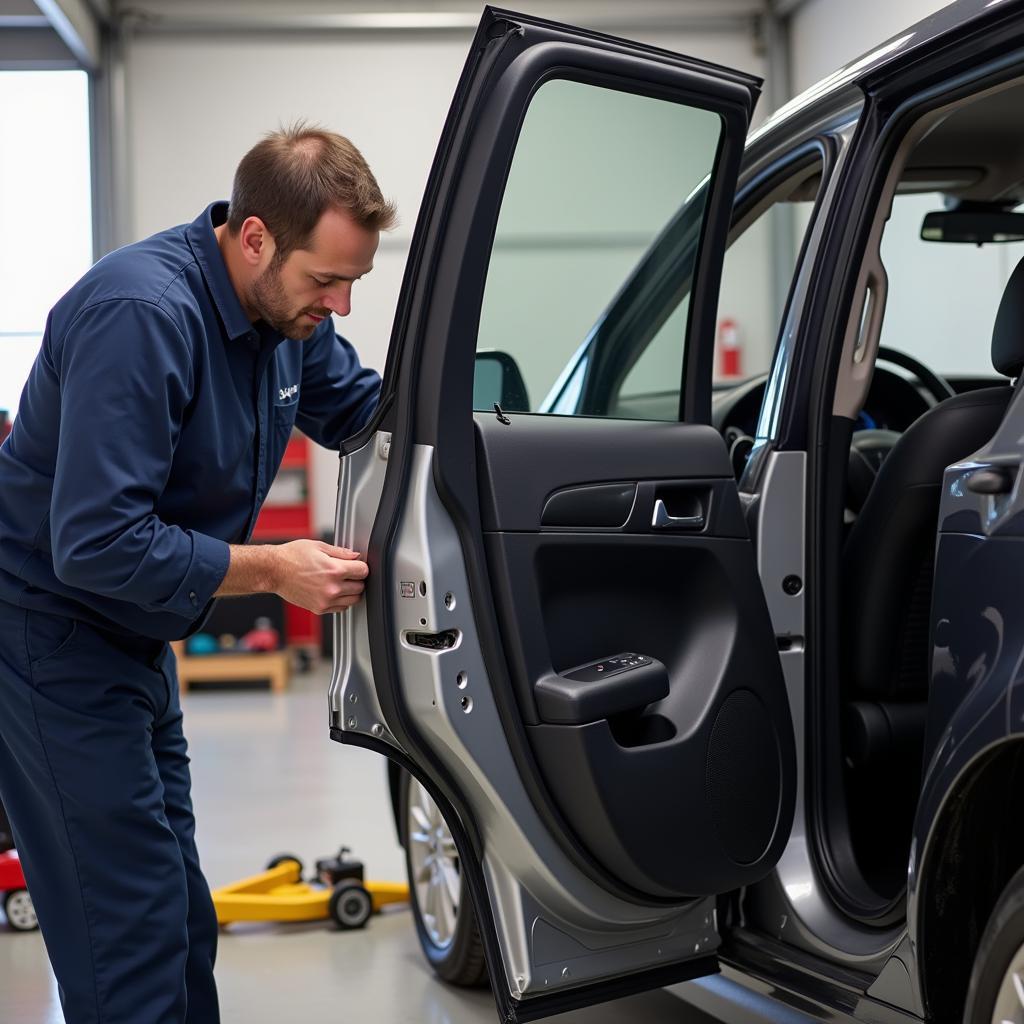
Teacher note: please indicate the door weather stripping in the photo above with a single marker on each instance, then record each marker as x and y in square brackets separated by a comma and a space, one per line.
[557, 928]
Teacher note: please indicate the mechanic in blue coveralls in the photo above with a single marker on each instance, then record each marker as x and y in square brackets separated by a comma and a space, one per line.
[152, 424]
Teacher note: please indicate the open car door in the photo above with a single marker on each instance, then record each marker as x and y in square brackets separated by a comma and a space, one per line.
[564, 636]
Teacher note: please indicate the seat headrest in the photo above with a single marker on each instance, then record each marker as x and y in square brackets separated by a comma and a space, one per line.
[1008, 333]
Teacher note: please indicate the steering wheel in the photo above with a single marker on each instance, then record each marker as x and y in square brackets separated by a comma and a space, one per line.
[869, 448]
[938, 388]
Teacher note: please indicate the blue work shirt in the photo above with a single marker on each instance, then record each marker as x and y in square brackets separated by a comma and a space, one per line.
[153, 421]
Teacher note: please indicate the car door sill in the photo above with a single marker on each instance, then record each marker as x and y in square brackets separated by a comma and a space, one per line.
[803, 981]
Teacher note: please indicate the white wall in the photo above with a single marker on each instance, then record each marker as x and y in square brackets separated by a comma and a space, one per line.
[826, 34]
[196, 104]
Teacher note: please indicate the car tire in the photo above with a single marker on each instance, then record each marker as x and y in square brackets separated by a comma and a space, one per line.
[441, 906]
[997, 978]
[350, 905]
[19, 911]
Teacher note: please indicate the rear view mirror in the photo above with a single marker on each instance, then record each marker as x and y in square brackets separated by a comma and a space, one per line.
[498, 379]
[976, 226]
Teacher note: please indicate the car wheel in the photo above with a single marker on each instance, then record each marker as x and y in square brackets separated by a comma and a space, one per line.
[350, 905]
[996, 991]
[441, 907]
[21, 914]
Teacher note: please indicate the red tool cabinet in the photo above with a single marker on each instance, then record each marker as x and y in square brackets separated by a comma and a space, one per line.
[287, 514]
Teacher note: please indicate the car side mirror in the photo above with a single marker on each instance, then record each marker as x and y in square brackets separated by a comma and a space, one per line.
[498, 379]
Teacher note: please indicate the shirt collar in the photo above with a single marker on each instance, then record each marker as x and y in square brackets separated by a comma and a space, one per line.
[211, 262]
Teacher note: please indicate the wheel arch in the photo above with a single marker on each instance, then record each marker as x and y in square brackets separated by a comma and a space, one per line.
[974, 847]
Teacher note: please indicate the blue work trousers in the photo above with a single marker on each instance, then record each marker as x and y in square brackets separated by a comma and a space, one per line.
[94, 775]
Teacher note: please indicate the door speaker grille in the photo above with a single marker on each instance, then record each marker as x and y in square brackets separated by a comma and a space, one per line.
[744, 776]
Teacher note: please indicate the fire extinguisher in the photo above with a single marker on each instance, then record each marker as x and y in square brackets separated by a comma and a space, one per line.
[730, 351]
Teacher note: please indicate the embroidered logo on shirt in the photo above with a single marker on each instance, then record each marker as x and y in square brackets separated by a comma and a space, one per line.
[284, 394]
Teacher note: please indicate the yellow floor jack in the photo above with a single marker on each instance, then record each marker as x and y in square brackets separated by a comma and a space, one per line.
[338, 893]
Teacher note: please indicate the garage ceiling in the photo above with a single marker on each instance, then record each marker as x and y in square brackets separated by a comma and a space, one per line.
[420, 15]
[50, 34]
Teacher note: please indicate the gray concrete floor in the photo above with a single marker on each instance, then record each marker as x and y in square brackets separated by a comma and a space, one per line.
[266, 780]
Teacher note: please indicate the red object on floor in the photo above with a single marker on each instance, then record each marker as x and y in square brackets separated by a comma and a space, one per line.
[11, 875]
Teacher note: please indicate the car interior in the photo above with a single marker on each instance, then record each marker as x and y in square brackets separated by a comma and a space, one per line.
[919, 416]
[917, 419]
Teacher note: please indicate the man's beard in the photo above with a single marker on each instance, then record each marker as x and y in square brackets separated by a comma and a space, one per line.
[269, 300]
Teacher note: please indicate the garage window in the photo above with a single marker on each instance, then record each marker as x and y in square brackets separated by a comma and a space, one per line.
[45, 210]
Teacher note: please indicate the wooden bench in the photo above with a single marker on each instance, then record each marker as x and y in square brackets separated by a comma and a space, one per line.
[274, 666]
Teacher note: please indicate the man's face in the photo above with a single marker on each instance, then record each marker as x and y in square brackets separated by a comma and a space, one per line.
[295, 295]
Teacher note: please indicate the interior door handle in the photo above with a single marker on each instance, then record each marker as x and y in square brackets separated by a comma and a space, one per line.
[663, 521]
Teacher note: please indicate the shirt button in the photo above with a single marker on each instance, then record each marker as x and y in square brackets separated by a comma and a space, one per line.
[192, 596]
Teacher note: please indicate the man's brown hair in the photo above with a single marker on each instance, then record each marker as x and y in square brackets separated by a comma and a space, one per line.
[292, 176]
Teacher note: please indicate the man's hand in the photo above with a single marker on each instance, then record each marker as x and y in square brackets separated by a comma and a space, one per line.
[308, 573]
[319, 576]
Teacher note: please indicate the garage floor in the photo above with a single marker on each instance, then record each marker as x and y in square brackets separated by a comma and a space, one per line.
[266, 780]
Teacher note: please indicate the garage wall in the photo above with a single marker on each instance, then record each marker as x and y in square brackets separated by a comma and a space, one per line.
[826, 34]
[196, 104]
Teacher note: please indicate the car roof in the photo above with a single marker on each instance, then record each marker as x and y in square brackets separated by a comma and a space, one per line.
[839, 89]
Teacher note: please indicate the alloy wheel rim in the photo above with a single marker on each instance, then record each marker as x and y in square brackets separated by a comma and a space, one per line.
[20, 912]
[1009, 1004]
[435, 866]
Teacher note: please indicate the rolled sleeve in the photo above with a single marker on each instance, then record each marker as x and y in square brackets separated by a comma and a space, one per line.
[126, 378]
[338, 394]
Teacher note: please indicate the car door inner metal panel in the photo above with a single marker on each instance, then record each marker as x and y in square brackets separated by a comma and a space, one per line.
[700, 698]
[352, 699]
[577, 932]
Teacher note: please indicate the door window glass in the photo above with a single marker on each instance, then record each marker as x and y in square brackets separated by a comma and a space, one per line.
[597, 176]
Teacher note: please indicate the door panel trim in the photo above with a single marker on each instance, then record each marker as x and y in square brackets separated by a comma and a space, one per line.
[514, 494]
